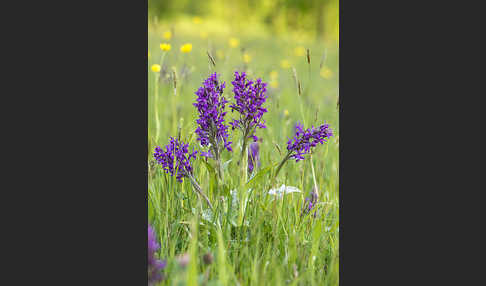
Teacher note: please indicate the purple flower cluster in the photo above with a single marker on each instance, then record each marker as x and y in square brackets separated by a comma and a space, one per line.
[155, 266]
[253, 157]
[210, 105]
[249, 97]
[178, 151]
[305, 140]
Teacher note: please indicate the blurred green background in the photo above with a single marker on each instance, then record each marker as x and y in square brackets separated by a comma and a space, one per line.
[315, 18]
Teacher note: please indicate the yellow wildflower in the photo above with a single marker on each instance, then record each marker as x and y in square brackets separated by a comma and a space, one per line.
[300, 51]
[165, 47]
[196, 20]
[326, 73]
[273, 75]
[167, 35]
[286, 113]
[203, 34]
[156, 68]
[186, 48]
[274, 84]
[234, 42]
[246, 58]
[285, 64]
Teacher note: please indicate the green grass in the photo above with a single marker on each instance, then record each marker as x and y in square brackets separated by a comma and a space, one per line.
[265, 241]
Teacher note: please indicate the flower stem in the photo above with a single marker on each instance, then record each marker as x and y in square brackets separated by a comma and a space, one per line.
[198, 190]
[244, 159]
[244, 165]
[314, 176]
[280, 166]
[217, 157]
[220, 170]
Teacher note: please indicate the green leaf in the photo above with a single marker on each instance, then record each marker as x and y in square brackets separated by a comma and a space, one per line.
[260, 175]
[225, 164]
[210, 168]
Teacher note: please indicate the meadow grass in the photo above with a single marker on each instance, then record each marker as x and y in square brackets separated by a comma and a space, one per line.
[255, 238]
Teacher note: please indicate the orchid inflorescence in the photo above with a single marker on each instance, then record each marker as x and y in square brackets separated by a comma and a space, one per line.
[249, 97]
[178, 151]
[210, 104]
[305, 140]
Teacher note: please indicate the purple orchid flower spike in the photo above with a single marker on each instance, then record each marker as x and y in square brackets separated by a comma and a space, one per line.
[175, 151]
[304, 141]
[249, 99]
[176, 160]
[211, 130]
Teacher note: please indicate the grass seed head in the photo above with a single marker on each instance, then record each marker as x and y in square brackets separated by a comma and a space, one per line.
[208, 258]
[211, 59]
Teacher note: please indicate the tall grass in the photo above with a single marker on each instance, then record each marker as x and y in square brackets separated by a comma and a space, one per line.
[256, 238]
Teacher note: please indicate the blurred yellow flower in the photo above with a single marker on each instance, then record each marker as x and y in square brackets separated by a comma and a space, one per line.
[203, 34]
[300, 51]
[274, 84]
[167, 35]
[246, 58]
[196, 20]
[286, 112]
[234, 42]
[165, 47]
[220, 54]
[285, 64]
[186, 48]
[273, 75]
[156, 68]
[326, 73]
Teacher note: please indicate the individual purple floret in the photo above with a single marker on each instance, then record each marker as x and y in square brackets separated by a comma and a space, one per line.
[250, 97]
[253, 157]
[155, 266]
[305, 140]
[210, 104]
[178, 151]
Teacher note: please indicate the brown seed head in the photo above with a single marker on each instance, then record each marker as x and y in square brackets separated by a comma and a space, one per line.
[208, 258]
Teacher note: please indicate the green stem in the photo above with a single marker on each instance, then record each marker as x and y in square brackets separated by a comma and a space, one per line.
[220, 170]
[198, 190]
[314, 176]
[280, 166]
[244, 159]
[217, 158]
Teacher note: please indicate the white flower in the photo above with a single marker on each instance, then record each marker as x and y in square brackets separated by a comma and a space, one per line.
[283, 190]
